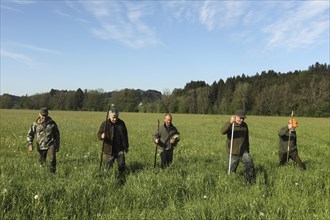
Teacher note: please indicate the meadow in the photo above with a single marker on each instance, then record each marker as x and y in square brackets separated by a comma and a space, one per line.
[196, 186]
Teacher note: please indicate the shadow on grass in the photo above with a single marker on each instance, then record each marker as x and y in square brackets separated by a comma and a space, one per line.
[262, 173]
[135, 167]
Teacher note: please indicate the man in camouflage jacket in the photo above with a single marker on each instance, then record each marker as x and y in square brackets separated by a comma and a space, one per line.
[47, 136]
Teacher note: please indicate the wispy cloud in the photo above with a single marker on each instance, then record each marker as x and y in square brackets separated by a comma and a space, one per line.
[23, 2]
[280, 24]
[11, 52]
[216, 14]
[287, 25]
[63, 14]
[300, 27]
[35, 48]
[18, 57]
[9, 8]
[125, 22]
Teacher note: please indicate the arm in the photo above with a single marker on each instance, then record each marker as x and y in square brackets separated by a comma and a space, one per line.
[283, 131]
[101, 131]
[247, 139]
[30, 136]
[125, 137]
[57, 137]
[226, 127]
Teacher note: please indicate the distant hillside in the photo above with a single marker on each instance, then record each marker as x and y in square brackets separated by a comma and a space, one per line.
[268, 93]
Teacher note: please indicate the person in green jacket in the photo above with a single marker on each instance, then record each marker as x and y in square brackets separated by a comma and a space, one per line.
[241, 145]
[288, 139]
[114, 133]
[166, 138]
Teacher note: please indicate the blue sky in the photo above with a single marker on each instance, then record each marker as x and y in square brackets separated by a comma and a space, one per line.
[160, 45]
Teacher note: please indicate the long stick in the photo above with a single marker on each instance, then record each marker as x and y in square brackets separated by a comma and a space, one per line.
[231, 146]
[288, 151]
[156, 146]
[103, 142]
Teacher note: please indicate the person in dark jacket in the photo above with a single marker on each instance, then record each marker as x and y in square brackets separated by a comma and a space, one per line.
[114, 134]
[241, 145]
[166, 139]
[47, 135]
[288, 139]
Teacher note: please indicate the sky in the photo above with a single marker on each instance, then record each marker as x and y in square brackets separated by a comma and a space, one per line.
[160, 45]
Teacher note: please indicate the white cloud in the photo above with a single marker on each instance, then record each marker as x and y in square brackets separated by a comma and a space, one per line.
[124, 22]
[35, 48]
[288, 24]
[22, 57]
[23, 2]
[216, 14]
[299, 27]
[18, 57]
[9, 8]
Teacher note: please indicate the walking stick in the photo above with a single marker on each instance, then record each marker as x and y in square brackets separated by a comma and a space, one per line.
[103, 142]
[287, 155]
[156, 145]
[231, 146]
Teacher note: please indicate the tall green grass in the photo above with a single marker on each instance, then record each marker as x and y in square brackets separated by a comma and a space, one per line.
[196, 186]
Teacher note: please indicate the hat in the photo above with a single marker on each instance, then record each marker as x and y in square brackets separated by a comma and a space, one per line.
[294, 122]
[113, 112]
[240, 113]
[44, 111]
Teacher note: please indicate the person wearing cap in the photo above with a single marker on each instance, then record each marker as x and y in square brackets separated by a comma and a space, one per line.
[47, 135]
[166, 138]
[288, 139]
[241, 145]
[114, 134]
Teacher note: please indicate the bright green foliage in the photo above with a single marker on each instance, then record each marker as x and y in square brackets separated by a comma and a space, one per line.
[196, 186]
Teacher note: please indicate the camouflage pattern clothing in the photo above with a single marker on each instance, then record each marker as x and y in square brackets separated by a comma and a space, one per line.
[47, 137]
[46, 134]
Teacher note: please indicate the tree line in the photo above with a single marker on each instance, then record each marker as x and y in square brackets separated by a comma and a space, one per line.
[268, 93]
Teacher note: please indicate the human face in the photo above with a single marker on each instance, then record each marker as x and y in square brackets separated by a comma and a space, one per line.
[168, 120]
[42, 118]
[238, 119]
[113, 118]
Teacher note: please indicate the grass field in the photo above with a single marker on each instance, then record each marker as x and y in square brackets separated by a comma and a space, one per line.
[196, 186]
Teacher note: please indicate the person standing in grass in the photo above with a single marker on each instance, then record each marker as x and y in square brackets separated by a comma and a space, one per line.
[288, 139]
[47, 135]
[240, 146]
[114, 134]
[166, 138]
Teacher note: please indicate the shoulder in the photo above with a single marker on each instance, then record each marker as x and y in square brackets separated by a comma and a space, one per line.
[244, 124]
[174, 129]
[121, 122]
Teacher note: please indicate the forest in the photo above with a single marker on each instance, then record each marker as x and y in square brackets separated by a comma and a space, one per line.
[306, 92]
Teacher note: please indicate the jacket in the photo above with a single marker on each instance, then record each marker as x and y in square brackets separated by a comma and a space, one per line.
[284, 139]
[241, 142]
[46, 134]
[164, 135]
[116, 136]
